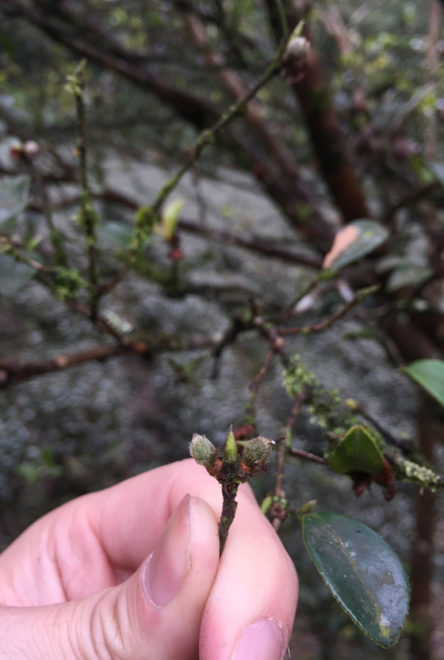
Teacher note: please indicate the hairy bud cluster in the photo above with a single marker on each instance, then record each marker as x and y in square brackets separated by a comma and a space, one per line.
[257, 452]
[203, 451]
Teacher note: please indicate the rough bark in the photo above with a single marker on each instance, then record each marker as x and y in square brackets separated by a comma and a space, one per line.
[414, 344]
[326, 136]
[430, 431]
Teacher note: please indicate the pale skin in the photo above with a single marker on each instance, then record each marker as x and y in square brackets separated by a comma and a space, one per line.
[133, 573]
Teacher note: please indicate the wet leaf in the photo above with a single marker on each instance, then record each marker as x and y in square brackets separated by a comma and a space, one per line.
[357, 451]
[430, 375]
[354, 241]
[13, 275]
[362, 571]
[407, 275]
[115, 234]
[14, 194]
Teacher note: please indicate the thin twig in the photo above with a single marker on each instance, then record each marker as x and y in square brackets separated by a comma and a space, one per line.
[307, 456]
[415, 195]
[254, 386]
[146, 215]
[10, 246]
[88, 215]
[359, 297]
[13, 372]
[279, 511]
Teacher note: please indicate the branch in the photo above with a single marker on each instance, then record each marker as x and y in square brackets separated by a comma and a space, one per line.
[252, 242]
[236, 87]
[14, 371]
[307, 456]
[433, 71]
[144, 218]
[87, 215]
[416, 195]
[327, 139]
[358, 298]
[192, 108]
[300, 206]
[279, 510]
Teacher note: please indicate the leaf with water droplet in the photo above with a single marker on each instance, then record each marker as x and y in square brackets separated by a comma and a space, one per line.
[362, 571]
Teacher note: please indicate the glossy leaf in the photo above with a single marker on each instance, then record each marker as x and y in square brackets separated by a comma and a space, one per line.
[407, 275]
[354, 241]
[357, 451]
[362, 571]
[13, 275]
[14, 194]
[430, 375]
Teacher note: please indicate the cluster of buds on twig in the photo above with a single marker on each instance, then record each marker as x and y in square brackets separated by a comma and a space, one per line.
[245, 457]
[25, 150]
[232, 465]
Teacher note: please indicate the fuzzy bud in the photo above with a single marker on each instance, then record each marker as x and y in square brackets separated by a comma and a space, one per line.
[306, 508]
[203, 451]
[257, 452]
[297, 49]
[31, 148]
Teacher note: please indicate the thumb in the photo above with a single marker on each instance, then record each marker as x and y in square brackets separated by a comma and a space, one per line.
[155, 614]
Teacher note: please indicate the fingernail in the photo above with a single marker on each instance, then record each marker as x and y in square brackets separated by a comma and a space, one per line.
[169, 563]
[262, 640]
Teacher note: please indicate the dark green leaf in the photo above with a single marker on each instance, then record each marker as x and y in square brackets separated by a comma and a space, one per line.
[362, 571]
[357, 452]
[14, 194]
[407, 275]
[13, 275]
[116, 235]
[354, 241]
[430, 375]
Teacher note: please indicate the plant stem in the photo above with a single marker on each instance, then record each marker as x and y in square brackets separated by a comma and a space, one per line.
[229, 506]
[146, 215]
[88, 215]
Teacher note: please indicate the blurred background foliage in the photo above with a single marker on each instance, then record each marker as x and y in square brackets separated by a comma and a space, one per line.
[353, 132]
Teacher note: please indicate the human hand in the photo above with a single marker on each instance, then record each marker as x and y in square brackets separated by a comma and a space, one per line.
[133, 572]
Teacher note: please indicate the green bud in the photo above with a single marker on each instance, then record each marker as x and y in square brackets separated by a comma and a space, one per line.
[266, 504]
[203, 451]
[257, 452]
[230, 453]
[306, 508]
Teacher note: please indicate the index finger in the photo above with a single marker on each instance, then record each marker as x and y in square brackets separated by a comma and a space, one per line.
[253, 600]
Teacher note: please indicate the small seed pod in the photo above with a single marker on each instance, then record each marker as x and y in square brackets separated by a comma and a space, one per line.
[203, 451]
[257, 452]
